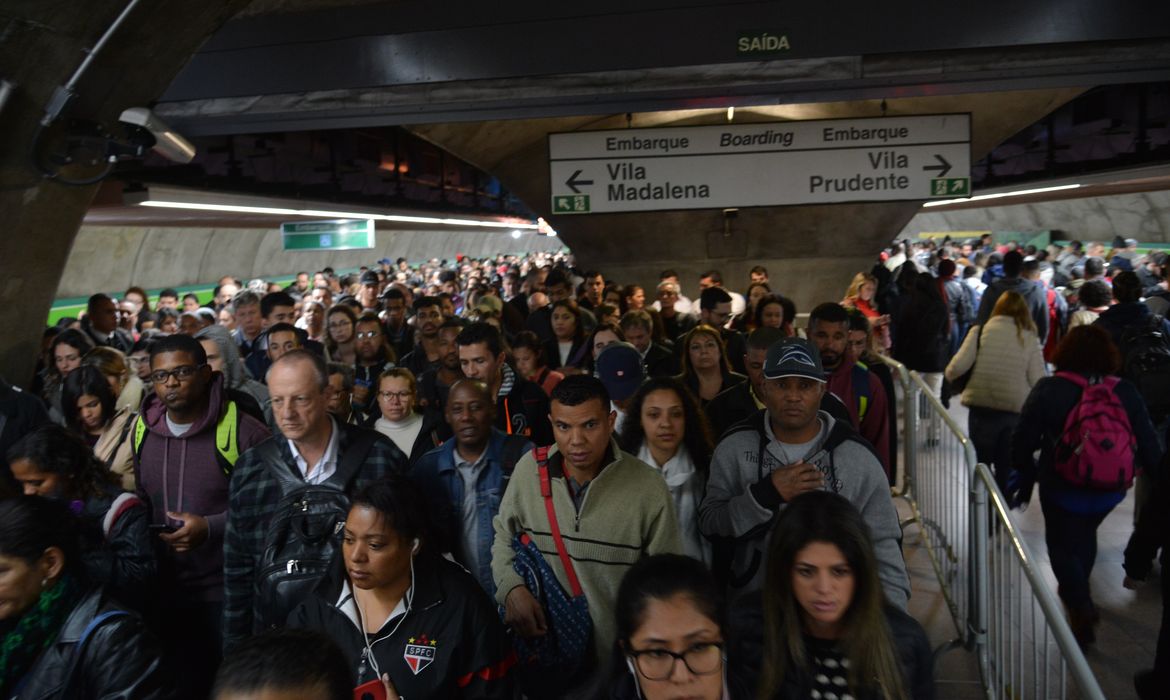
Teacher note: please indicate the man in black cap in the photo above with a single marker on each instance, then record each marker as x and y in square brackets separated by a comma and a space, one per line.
[368, 293]
[797, 448]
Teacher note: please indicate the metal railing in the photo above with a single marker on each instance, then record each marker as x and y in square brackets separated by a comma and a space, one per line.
[1002, 607]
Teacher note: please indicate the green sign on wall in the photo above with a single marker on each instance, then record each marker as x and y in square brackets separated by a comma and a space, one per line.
[341, 234]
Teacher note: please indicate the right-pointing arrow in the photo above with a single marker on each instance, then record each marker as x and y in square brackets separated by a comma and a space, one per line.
[943, 166]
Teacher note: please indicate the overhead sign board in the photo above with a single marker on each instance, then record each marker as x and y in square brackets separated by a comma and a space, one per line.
[340, 234]
[763, 164]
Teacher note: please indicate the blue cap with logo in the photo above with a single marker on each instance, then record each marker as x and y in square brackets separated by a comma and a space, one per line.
[619, 367]
[794, 357]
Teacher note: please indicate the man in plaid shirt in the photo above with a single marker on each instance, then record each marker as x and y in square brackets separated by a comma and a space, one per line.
[311, 445]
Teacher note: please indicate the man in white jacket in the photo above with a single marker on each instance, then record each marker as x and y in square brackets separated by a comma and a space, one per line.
[790, 448]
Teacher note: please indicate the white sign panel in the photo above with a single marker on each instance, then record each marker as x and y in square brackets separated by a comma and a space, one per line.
[764, 164]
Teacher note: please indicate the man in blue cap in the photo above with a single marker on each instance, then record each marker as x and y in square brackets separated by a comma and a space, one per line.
[789, 448]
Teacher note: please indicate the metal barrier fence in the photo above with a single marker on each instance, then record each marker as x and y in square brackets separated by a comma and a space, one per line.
[1001, 605]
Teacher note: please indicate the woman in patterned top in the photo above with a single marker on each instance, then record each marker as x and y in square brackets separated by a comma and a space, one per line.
[828, 632]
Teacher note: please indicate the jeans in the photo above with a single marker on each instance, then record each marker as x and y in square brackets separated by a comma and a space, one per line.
[991, 433]
[1072, 550]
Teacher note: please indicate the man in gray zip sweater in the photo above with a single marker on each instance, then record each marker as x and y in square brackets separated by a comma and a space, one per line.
[803, 449]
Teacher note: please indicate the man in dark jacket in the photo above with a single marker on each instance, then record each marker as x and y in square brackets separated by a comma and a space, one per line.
[743, 400]
[657, 361]
[521, 406]
[1152, 534]
[465, 477]
[1013, 266]
[312, 445]
[182, 475]
[101, 324]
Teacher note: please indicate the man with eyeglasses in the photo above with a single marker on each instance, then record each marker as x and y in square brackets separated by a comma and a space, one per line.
[183, 476]
[428, 316]
[372, 355]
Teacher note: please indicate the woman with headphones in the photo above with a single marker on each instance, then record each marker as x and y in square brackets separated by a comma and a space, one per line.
[407, 619]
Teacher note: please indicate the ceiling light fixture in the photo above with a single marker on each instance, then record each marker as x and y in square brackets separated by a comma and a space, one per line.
[999, 195]
[321, 213]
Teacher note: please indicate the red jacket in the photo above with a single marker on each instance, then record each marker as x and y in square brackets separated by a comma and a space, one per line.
[875, 425]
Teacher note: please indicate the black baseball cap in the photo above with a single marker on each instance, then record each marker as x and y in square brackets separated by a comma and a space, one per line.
[794, 357]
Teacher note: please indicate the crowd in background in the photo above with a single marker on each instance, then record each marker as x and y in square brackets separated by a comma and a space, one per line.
[487, 478]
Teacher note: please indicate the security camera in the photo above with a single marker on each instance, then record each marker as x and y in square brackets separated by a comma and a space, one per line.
[166, 142]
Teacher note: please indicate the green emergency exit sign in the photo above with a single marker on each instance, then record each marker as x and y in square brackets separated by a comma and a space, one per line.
[571, 204]
[950, 187]
[341, 234]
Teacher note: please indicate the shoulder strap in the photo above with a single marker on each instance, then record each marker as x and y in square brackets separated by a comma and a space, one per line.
[79, 648]
[227, 437]
[861, 389]
[130, 421]
[1074, 378]
[269, 453]
[139, 435]
[541, 454]
[354, 457]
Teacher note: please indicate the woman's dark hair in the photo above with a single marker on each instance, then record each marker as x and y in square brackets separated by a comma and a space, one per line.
[530, 341]
[86, 380]
[286, 659]
[826, 517]
[696, 428]
[31, 524]
[74, 339]
[1087, 350]
[403, 506]
[346, 311]
[765, 301]
[571, 307]
[661, 577]
[56, 450]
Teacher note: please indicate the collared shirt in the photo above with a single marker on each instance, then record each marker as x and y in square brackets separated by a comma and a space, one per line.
[347, 604]
[469, 472]
[327, 465]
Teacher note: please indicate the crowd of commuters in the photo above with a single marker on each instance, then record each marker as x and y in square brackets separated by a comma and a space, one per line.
[488, 479]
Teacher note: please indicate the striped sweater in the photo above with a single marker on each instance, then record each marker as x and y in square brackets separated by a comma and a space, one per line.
[626, 514]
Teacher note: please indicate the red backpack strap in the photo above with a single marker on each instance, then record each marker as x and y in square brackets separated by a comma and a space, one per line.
[541, 454]
[1074, 377]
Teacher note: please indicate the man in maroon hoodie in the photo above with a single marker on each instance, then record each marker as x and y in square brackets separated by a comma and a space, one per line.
[851, 381]
[185, 443]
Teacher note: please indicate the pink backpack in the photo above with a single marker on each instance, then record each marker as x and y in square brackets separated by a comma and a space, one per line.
[1097, 448]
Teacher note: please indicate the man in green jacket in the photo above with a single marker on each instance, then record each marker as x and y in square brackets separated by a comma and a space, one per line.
[612, 510]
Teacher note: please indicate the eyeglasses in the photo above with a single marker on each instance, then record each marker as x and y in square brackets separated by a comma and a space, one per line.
[368, 335]
[658, 664]
[182, 373]
[402, 396]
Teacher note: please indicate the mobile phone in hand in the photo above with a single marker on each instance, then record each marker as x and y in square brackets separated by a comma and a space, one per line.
[162, 527]
[374, 690]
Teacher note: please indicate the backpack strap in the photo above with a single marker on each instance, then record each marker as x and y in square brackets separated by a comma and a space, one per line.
[270, 454]
[355, 456]
[861, 390]
[79, 648]
[541, 454]
[227, 437]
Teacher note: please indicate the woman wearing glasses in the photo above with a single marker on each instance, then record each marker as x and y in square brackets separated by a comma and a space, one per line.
[414, 433]
[670, 627]
[340, 324]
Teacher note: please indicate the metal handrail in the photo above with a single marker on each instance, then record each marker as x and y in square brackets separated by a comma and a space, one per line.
[945, 415]
[902, 374]
[985, 487]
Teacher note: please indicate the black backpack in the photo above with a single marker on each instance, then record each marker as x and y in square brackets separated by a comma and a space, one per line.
[1146, 363]
[304, 533]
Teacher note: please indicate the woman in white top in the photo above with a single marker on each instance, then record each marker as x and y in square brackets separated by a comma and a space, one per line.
[673, 436]
[412, 432]
[1008, 361]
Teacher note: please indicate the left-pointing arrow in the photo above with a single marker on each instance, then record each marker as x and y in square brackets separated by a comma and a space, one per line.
[573, 182]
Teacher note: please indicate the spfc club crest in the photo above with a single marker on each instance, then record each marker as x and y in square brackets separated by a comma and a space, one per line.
[419, 653]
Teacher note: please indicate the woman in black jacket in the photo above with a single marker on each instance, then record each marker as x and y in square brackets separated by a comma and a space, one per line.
[1072, 512]
[566, 351]
[58, 638]
[117, 549]
[824, 622]
[401, 612]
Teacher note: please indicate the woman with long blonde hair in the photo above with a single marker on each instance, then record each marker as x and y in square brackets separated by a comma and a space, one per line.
[861, 296]
[1005, 361]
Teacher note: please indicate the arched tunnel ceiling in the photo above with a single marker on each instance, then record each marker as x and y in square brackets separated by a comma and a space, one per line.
[836, 239]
